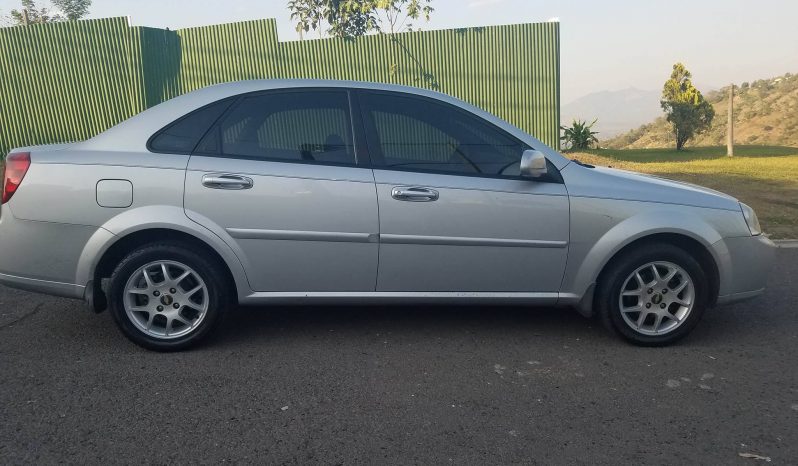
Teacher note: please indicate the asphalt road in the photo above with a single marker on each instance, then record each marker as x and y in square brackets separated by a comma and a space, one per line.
[402, 386]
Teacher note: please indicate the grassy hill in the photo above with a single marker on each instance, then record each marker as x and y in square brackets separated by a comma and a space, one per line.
[765, 112]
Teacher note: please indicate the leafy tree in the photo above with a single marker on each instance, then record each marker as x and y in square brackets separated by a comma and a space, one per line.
[394, 16]
[354, 18]
[349, 18]
[39, 12]
[579, 135]
[36, 13]
[73, 9]
[687, 110]
[308, 14]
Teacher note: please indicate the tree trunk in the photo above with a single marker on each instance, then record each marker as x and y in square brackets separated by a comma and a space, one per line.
[679, 139]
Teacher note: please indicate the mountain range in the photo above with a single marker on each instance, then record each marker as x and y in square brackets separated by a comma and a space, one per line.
[615, 111]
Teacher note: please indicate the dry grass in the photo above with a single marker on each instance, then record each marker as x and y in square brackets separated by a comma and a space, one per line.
[766, 178]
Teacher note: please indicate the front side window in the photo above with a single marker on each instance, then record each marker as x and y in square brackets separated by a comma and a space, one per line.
[410, 133]
[309, 126]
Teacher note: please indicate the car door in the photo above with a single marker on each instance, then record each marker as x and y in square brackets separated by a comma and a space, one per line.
[455, 214]
[279, 174]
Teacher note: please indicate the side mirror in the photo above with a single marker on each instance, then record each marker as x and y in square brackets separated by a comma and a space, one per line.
[533, 163]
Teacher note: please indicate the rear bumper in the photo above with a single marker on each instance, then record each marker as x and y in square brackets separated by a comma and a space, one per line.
[745, 267]
[42, 257]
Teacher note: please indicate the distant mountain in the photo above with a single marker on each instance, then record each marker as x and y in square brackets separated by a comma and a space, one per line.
[617, 111]
[765, 112]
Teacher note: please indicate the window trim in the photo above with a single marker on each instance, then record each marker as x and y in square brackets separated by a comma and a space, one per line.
[369, 133]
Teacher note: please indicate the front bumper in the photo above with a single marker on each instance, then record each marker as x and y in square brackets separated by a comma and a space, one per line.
[745, 264]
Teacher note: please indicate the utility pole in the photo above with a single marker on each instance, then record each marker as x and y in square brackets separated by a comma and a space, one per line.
[730, 124]
[25, 17]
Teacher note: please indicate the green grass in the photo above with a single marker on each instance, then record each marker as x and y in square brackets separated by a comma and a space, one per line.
[765, 177]
[693, 153]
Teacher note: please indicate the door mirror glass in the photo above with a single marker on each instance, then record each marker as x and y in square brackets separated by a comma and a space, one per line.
[533, 164]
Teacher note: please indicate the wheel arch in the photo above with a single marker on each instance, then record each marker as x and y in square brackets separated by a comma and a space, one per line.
[127, 230]
[681, 229]
[687, 243]
[115, 252]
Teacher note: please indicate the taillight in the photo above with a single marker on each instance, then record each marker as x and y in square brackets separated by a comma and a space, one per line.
[16, 167]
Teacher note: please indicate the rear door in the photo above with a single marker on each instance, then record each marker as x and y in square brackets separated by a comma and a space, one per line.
[279, 173]
[455, 214]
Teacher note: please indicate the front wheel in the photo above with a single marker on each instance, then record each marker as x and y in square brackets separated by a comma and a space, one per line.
[653, 295]
[166, 297]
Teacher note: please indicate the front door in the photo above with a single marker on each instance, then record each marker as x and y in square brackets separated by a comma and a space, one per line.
[279, 174]
[455, 214]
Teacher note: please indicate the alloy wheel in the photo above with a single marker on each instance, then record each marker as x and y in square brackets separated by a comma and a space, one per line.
[166, 299]
[657, 298]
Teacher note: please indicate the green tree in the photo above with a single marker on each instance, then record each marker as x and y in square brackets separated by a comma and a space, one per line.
[73, 10]
[394, 16]
[37, 12]
[33, 12]
[687, 110]
[579, 136]
[354, 18]
[308, 14]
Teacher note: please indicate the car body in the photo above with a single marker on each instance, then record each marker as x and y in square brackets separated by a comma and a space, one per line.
[309, 192]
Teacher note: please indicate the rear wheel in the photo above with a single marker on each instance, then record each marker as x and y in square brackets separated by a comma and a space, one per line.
[166, 297]
[653, 295]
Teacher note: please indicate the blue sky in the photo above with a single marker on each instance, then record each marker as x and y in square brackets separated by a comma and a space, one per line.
[606, 45]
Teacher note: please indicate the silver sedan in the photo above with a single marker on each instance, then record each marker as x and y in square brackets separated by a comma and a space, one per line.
[288, 192]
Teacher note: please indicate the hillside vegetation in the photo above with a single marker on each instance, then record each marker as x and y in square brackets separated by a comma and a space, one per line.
[765, 112]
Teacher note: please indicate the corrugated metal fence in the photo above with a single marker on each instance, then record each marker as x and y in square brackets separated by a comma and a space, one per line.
[69, 81]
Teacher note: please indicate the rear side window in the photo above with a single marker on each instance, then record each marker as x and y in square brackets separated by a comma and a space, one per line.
[306, 126]
[182, 136]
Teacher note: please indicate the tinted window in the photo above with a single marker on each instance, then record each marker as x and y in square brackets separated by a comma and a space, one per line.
[183, 135]
[421, 134]
[311, 126]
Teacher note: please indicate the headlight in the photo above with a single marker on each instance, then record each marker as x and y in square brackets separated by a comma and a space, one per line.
[751, 219]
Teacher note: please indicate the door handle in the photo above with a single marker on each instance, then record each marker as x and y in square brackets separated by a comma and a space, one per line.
[414, 194]
[226, 181]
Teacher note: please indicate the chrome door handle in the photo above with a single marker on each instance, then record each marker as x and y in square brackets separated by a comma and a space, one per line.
[414, 194]
[226, 181]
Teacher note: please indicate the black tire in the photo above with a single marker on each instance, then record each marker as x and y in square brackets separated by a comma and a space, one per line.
[218, 294]
[612, 280]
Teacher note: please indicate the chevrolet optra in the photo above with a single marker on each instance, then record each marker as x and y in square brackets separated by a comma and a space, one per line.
[286, 192]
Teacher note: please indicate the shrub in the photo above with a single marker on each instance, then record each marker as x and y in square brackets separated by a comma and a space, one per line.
[579, 135]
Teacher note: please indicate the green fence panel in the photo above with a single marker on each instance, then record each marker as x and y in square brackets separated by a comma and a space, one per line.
[65, 81]
[69, 81]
